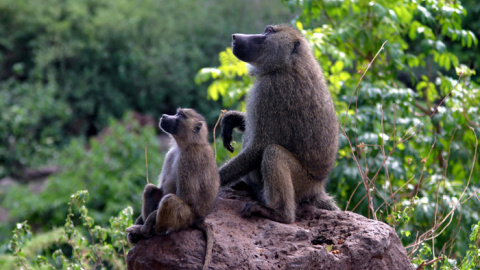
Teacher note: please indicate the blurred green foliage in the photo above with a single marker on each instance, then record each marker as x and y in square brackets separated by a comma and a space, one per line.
[230, 80]
[79, 245]
[103, 57]
[30, 129]
[112, 169]
[408, 145]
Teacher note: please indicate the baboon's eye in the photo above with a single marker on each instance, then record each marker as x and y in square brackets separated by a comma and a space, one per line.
[269, 30]
[182, 114]
[197, 128]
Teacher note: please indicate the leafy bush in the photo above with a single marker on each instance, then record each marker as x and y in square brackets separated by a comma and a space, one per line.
[112, 168]
[409, 123]
[108, 56]
[87, 246]
[30, 131]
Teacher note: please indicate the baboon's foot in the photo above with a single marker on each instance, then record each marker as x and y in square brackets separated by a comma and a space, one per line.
[134, 234]
[250, 209]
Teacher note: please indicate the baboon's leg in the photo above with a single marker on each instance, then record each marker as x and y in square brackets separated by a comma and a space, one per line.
[279, 167]
[139, 220]
[147, 228]
[151, 197]
[173, 213]
[254, 180]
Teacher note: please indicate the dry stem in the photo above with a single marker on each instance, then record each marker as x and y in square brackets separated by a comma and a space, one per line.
[146, 161]
[214, 128]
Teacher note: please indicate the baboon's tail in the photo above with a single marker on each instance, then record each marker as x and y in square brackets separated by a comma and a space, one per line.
[324, 201]
[207, 230]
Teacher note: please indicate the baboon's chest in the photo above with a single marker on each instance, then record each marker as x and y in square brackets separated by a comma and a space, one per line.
[169, 184]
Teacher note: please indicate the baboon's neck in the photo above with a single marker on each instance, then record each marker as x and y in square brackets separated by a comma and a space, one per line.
[298, 69]
[190, 144]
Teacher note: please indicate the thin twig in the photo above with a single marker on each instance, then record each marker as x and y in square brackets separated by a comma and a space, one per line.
[444, 178]
[406, 137]
[393, 194]
[430, 234]
[359, 202]
[428, 263]
[362, 174]
[361, 78]
[453, 239]
[351, 196]
[424, 161]
[214, 128]
[124, 254]
[365, 178]
[146, 161]
[387, 175]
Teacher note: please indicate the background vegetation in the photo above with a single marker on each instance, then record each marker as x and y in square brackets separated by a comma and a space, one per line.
[402, 74]
[94, 60]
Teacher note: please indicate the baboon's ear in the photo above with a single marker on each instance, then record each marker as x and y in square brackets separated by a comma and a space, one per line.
[296, 44]
[198, 127]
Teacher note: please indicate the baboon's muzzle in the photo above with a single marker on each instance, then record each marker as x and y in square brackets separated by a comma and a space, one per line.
[247, 47]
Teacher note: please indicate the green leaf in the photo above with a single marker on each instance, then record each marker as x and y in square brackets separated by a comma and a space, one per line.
[337, 67]
[421, 85]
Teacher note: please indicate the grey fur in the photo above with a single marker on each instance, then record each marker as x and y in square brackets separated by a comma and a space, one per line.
[188, 183]
[290, 141]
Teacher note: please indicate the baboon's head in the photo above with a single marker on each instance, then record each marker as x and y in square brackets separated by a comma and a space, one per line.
[187, 126]
[277, 47]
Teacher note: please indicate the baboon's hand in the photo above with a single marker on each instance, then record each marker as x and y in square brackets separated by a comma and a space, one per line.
[227, 138]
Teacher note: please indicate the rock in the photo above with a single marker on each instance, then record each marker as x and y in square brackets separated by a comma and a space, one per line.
[319, 239]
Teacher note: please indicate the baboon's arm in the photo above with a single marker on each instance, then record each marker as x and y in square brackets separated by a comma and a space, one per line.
[231, 120]
[151, 197]
[246, 161]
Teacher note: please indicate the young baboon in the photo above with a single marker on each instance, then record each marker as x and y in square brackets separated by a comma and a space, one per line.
[188, 183]
[290, 128]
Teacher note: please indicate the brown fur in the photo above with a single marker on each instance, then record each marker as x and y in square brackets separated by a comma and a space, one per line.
[290, 139]
[188, 183]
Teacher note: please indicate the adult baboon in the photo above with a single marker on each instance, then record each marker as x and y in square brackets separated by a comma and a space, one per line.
[188, 183]
[290, 128]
